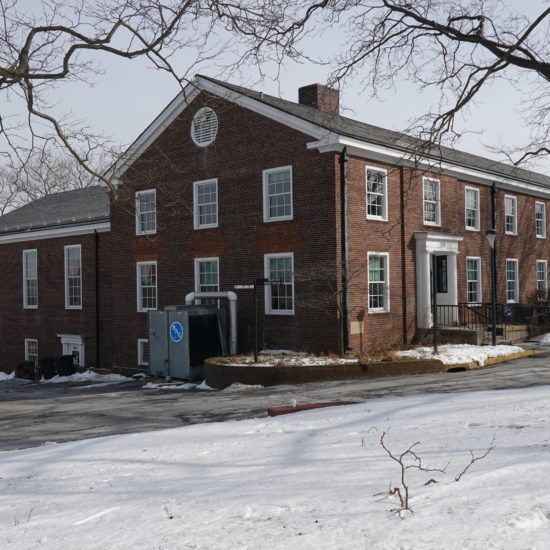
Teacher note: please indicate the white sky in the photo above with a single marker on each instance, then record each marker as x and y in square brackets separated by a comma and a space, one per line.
[128, 96]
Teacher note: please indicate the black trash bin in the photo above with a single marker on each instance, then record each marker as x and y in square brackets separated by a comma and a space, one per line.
[64, 365]
[46, 366]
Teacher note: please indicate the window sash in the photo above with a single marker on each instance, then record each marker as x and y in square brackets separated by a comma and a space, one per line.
[472, 208]
[30, 279]
[73, 277]
[31, 350]
[143, 351]
[473, 280]
[147, 286]
[542, 275]
[146, 212]
[431, 201]
[540, 219]
[511, 280]
[278, 194]
[377, 189]
[280, 296]
[378, 282]
[206, 203]
[510, 215]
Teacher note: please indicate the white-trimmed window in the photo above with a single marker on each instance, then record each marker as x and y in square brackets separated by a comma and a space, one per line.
[146, 212]
[205, 201]
[512, 283]
[146, 285]
[473, 280]
[471, 207]
[510, 215]
[73, 277]
[377, 194]
[277, 186]
[30, 279]
[279, 295]
[540, 219]
[207, 275]
[432, 201]
[31, 350]
[378, 282]
[143, 351]
[542, 279]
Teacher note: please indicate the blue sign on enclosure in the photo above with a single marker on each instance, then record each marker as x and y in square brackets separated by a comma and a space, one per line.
[176, 332]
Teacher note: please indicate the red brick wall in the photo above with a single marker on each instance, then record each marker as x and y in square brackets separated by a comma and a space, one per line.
[51, 317]
[247, 143]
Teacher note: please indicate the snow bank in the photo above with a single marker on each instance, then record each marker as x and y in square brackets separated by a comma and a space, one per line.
[316, 480]
[173, 387]
[238, 386]
[545, 340]
[87, 376]
[455, 354]
[4, 376]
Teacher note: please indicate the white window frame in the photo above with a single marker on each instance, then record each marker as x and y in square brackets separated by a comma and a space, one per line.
[479, 280]
[198, 261]
[74, 340]
[515, 202]
[138, 212]
[478, 209]
[437, 223]
[267, 287]
[545, 289]
[27, 342]
[141, 360]
[543, 236]
[139, 287]
[384, 216]
[386, 307]
[516, 290]
[196, 216]
[67, 305]
[265, 173]
[26, 305]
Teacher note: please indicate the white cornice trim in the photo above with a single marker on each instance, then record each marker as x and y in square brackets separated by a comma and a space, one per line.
[335, 143]
[54, 233]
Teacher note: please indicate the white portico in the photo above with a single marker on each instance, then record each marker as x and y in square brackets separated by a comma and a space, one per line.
[445, 248]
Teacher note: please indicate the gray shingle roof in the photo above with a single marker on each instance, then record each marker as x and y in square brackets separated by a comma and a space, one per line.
[78, 207]
[381, 136]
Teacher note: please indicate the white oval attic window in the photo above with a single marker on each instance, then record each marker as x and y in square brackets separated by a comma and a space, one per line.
[204, 126]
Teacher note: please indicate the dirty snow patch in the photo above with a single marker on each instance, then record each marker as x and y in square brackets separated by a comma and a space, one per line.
[545, 340]
[237, 386]
[86, 376]
[273, 358]
[173, 387]
[4, 376]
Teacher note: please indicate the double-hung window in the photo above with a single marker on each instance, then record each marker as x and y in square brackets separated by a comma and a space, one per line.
[377, 194]
[277, 189]
[205, 201]
[30, 279]
[146, 286]
[471, 205]
[143, 351]
[540, 220]
[512, 283]
[31, 350]
[378, 282]
[279, 294]
[207, 277]
[542, 279]
[432, 201]
[146, 212]
[73, 277]
[473, 280]
[510, 215]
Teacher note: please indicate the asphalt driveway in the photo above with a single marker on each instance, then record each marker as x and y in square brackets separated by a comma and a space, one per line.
[37, 414]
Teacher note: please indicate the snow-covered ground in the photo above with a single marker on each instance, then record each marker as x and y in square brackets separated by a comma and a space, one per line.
[456, 354]
[87, 376]
[314, 480]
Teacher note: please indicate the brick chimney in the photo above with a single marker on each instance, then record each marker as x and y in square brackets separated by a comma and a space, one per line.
[320, 97]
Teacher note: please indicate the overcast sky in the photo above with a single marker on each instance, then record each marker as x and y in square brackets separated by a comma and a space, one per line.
[128, 96]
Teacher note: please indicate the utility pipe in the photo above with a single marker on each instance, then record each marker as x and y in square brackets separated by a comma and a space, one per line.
[232, 297]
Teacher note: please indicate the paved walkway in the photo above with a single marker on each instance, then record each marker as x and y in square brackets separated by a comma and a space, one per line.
[33, 414]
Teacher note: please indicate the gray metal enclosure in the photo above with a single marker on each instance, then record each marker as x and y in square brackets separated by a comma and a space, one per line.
[181, 337]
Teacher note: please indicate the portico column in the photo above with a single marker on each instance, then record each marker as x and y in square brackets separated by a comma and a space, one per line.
[452, 283]
[423, 298]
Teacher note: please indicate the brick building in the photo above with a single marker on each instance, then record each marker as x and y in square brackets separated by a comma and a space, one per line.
[228, 185]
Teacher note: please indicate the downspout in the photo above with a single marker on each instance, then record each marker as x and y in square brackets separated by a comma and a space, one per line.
[403, 257]
[97, 321]
[494, 223]
[344, 243]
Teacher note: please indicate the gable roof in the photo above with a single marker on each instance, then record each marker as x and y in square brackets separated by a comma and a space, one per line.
[70, 208]
[362, 131]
